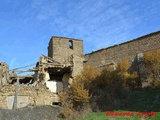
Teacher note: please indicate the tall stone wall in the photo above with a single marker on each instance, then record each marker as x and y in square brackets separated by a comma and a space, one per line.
[128, 50]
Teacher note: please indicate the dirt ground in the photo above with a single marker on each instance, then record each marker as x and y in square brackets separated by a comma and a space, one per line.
[31, 113]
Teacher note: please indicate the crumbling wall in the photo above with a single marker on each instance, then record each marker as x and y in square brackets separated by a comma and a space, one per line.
[37, 95]
[55, 71]
[128, 50]
[4, 74]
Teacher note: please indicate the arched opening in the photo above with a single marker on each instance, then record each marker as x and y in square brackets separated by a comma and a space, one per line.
[70, 44]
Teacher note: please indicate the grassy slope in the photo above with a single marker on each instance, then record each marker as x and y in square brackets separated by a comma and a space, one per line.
[146, 100]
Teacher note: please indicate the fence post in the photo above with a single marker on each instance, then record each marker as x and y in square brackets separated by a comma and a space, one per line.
[16, 95]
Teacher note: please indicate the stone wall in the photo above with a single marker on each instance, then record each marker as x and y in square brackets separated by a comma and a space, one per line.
[61, 48]
[36, 95]
[129, 50]
[4, 75]
[67, 51]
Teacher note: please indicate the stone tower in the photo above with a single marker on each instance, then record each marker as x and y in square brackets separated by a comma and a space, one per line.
[67, 51]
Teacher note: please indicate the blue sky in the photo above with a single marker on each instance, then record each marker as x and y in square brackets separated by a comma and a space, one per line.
[26, 26]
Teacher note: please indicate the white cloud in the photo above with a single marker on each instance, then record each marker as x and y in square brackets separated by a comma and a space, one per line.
[27, 26]
[108, 22]
[12, 62]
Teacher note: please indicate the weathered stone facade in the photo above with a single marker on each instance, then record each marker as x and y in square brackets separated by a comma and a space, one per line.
[132, 51]
[4, 74]
[35, 96]
[53, 74]
[64, 62]
[67, 51]
[129, 50]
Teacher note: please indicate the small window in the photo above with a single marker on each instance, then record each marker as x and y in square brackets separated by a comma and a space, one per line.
[70, 44]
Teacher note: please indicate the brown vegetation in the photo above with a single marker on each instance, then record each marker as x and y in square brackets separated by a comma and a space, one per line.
[101, 89]
[152, 67]
[130, 80]
[75, 100]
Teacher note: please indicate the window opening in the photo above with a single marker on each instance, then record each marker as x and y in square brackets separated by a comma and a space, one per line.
[70, 44]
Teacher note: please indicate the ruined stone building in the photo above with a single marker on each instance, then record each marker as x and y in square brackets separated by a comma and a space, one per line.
[65, 60]
[132, 50]
[56, 72]
[63, 63]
